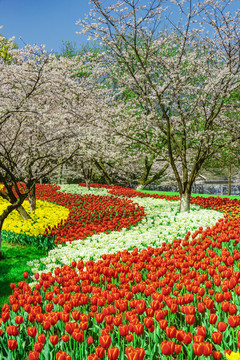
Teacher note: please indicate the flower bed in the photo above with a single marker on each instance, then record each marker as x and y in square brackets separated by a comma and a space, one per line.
[33, 231]
[161, 223]
[179, 300]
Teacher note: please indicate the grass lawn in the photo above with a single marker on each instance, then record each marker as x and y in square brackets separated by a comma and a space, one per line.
[14, 265]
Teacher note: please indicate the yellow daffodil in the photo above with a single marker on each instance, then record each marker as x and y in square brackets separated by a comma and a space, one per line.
[46, 214]
[233, 356]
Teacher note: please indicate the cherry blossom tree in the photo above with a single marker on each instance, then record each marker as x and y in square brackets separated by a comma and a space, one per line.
[35, 128]
[182, 75]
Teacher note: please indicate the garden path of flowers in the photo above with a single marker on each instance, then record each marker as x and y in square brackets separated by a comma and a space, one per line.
[174, 294]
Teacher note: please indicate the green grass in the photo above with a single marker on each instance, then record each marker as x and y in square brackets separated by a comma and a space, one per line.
[176, 193]
[13, 265]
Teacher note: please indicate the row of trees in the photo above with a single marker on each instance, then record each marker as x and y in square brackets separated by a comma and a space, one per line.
[144, 94]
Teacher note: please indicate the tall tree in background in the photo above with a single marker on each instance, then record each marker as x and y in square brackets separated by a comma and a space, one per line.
[183, 75]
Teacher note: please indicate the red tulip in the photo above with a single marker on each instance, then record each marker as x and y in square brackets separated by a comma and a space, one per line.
[178, 348]
[154, 304]
[33, 355]
[41, 338]
[187, 338]
[163, 324]
[113, 353]
[46, 325]
[190, 319]
[99, 317]
[65, 338]
[171, 332]
[90, 340]
[123, 330]
[201, 307]
[217, 337]
[84, 325]
[109, 319]
[54, 339]
[232, 309]
[221, 326]
[65, 317]
[19, 319]
[201, 330]
[129, 337]
[25, 275]
[198, 349]
[207, 349]
[238, 335]
[61, 355]
[233, 321]
[198, 339]
[159, 315]
[38, 347]
[92, 357]
[219, 297]
[180, 335]
[212, 319]
[138, 329]
[225, 306]
[133, 355]
[216, 355]
[100, 351]
[78, 335]
[32, 331]
[165, 348]
[141, 353]
[148, 321]
[12, 344]
[105, 341]
[76, 315]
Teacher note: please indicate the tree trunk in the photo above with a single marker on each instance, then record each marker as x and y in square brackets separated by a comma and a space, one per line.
[229, 179]
[60, 172]
[106, 176]
[146, 181]
[32, 201]
[22, 212]
[88, 182]
[184, 202]
[144, 177]
[32, 196]
[87, 174]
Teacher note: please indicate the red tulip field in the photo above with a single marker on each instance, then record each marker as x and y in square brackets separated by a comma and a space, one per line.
[180, 300]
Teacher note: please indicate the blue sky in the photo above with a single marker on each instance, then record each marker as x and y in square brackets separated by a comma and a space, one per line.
[43, 21]
[47, 22]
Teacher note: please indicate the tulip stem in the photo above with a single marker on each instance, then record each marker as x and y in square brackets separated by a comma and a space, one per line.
[233, 339]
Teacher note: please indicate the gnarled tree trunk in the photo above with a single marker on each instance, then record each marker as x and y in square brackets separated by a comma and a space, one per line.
[22, 212]
[87, 174]
[145, 180]
[100, 166]
[229, 179]
[60, 172]
[185, 202]
[32, 196]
